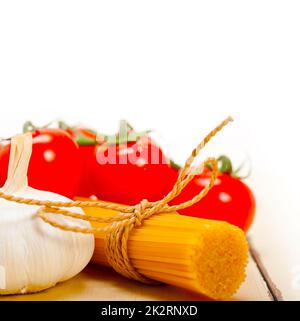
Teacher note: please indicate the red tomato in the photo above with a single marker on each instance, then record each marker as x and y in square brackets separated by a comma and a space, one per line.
[86, 140]
[123, 171]
[229, 200]
[128, 173]
[54, 164]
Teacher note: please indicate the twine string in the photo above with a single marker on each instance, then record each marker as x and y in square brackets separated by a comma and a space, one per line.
[118, 229]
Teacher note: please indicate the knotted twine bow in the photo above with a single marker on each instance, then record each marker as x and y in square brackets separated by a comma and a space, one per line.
[129, 217]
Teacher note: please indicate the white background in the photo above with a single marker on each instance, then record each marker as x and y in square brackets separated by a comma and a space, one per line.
[178, 67]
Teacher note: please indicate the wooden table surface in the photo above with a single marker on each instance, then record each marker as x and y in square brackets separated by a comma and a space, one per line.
[102, 283]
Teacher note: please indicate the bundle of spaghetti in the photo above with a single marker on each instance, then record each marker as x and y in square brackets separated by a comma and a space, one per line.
[205, 256]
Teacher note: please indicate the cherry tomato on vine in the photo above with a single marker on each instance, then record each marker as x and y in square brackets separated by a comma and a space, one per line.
[229, 199]
[86, 140]
[133, 176]
[123, 168]
[54, 165]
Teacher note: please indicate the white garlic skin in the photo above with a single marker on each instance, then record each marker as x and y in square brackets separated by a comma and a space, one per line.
[34, 254]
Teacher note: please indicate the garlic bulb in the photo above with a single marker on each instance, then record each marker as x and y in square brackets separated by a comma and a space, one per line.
[33, 254]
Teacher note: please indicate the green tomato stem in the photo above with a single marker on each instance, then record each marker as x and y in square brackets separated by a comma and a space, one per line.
[28, 127]
[225, 165]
